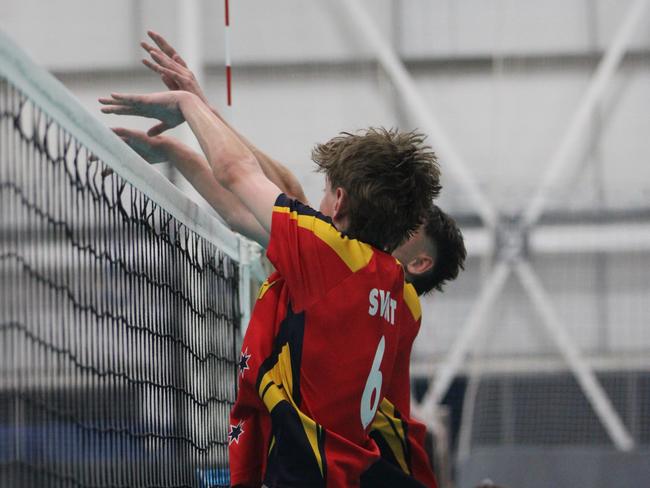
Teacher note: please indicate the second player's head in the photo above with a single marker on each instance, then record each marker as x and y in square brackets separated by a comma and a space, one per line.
[435, 254]
[379, 184]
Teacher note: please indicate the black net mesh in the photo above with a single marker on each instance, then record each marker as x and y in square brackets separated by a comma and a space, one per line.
[118, 324]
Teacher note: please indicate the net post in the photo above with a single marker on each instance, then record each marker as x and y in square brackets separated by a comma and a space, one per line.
[245, 252]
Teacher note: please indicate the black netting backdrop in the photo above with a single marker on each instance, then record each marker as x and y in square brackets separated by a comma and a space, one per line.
[118, 325]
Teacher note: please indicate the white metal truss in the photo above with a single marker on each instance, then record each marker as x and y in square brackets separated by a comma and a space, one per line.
[510, 258]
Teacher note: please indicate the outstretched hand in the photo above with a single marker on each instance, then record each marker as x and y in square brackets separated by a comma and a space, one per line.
[164, 106]
[152, 149]
[171, 67]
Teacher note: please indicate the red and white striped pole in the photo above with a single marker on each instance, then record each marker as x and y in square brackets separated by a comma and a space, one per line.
[228, 68]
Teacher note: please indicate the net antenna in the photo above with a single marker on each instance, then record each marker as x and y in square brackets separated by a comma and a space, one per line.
[227, 52]
[120, 304]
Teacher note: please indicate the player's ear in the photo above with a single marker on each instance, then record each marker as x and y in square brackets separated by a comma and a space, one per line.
[420, 264]
[340, 204]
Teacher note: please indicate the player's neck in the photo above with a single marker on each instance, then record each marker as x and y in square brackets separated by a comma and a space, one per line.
[342, 223]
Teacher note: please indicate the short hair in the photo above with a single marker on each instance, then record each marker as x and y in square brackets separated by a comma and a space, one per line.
[450, 251]
[390, 179]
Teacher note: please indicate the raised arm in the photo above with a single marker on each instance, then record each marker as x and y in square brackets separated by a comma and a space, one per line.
[195, 168]
[233, 164]
[177, 76]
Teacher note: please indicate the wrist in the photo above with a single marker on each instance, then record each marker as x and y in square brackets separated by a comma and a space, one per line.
[214, 110]
[186, 99]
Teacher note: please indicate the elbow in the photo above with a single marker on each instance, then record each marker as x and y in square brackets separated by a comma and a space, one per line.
[296, 192]
[233, 170]
[291, 186]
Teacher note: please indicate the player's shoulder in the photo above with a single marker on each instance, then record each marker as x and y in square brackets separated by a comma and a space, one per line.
[286, 205]
[354, 253]
[412, 301]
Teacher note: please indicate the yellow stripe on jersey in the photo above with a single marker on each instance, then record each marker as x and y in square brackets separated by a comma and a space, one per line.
[277, 209]
[264, 288]
[272, 393]
[391, 429]
[412, 301]
[355, 254]
[311, 429]
[280, 374]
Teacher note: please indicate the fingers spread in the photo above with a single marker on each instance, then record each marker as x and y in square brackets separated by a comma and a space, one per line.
[121, 131]
[165, 47]
[162, 59]
[152, 66]
[157, 129]
[179, 60]
[131, 134]
[111, 101]
[146, 46]
[161, 69]
[164, 55]
[126, 98]
[119, 110]
[162, 43]
[169, 82]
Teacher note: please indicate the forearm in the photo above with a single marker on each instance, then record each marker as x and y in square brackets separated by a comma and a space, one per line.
[176, 76]
[227, 155]
[233, 164]
[196, 169]
[273, 169]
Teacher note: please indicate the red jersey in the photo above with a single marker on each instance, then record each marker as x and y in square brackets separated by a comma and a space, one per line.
[250, 424]
[318, 354]
[400, 437]
[401, 441]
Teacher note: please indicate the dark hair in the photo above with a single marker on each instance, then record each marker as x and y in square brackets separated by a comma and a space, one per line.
[390, 178]
[450, 251]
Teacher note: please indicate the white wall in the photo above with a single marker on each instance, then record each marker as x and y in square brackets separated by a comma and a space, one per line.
[503, 76]
[506, 121]
[100, 32]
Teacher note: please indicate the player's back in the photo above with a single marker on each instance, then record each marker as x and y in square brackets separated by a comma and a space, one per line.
[399, 436]
[333, 350]
[347, 336]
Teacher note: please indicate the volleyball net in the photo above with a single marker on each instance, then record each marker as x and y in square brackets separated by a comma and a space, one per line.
[119, 305]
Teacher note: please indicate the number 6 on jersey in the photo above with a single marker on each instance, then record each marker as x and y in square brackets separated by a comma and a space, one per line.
[370, 402]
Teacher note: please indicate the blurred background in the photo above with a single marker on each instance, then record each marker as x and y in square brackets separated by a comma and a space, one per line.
[533, 367]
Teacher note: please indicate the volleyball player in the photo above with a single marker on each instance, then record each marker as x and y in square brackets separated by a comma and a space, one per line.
[343, 302]
[432, 256]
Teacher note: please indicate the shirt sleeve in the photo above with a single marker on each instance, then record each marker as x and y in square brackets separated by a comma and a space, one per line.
[310, 253]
